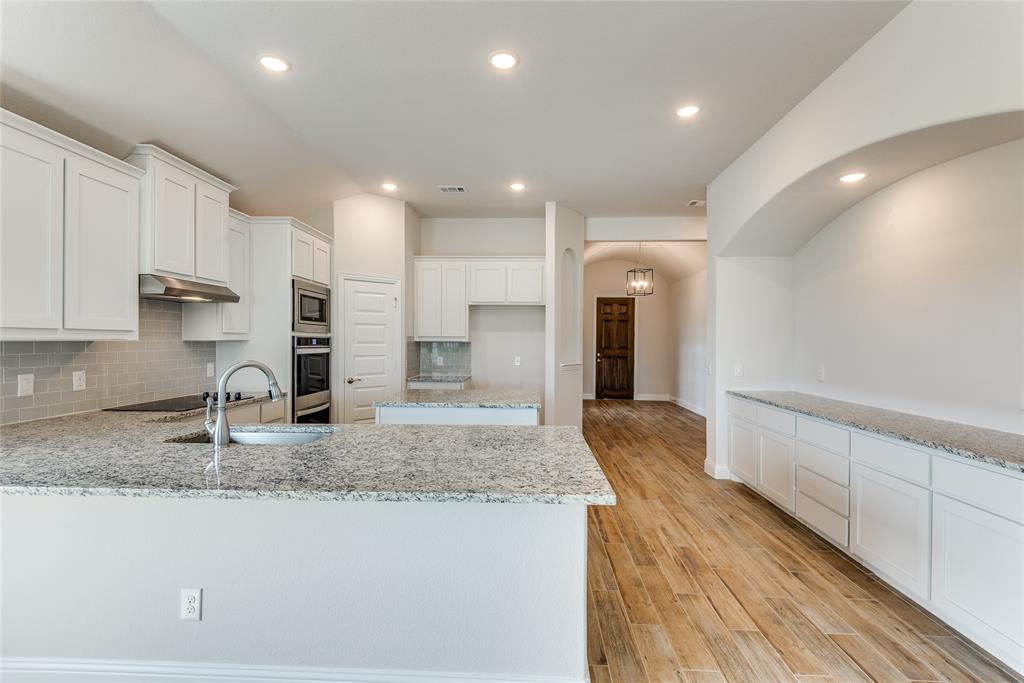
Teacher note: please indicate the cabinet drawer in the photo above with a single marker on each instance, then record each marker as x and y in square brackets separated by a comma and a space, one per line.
[777, 420]
[744, 409]
[835, 439]
[908, 463]
[998, 493]
[826, 521]
[826, 492]
[272, 411]
[820, 461]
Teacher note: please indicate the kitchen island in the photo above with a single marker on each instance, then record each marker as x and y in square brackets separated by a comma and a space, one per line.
[373, 553]
[461, 407]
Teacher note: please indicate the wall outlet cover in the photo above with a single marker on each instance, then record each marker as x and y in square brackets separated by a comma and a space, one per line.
[210, 370]
[26, 385]
[737, 370]
[517, 361]
[819, 373]
[78, 380]
[191, 604]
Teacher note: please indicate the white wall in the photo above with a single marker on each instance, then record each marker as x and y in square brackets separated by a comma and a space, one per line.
[499, 334]
[655, 343]
[482, 236]
[646, 228]
[369, 236]
[563, 315]
[689, 302]
[912, 299]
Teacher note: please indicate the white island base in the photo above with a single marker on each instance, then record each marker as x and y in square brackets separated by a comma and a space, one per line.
[293, 590]
[456, 415]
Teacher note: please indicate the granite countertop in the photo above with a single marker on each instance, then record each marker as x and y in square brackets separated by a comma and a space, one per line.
[463, 398]
[439, 378]
[126, 454]
[1003, 449]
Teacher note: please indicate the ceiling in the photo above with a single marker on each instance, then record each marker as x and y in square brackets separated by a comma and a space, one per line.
[403, 91]
[671, 260]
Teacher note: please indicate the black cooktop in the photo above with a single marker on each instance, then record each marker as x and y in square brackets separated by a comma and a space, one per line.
[179, 404]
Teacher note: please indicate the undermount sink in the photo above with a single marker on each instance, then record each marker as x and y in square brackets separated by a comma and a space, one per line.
[277, 438]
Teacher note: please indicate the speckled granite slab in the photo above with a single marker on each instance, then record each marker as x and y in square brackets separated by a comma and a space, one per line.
[1003, 449]
[463, 398]
[126, 454]
[439, 378]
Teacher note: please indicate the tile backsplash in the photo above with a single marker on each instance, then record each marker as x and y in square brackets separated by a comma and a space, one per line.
[444, 358]
[158, 365]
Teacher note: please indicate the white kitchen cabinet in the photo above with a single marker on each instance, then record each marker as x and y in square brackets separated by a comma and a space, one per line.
[978, 575]
[454, 314]
[743, 450]
[525, 282]
[487, 282]
[101, 250]
[427, 280]
[321, 262]
[226, 321]
[68, 238]
[890, 528]
[302, 254]
[184, 218]
[776, 467]
[442, 311]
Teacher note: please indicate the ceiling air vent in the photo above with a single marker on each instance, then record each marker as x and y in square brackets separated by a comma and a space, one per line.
[452, 189]
[697, 202]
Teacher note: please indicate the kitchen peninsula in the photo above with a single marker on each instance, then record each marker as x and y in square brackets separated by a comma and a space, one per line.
[391, 550]
[465, 406]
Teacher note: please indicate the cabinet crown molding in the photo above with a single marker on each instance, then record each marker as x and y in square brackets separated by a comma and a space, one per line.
[281, 220]
[150, 150]
[9, 118]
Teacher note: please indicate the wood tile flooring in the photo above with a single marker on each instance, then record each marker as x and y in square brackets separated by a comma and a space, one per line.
[693, 579]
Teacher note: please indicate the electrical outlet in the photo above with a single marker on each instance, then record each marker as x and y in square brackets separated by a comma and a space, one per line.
[517, 361]
[819, 373]
[78, 380]
[737, 370]
[210, 370]
[440, 361]
[26, 385]
[191, 604]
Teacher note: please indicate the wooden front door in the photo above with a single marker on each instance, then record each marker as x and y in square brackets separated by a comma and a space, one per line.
[613, 372]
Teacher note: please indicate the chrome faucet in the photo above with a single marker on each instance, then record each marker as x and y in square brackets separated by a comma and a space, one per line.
[220, 431]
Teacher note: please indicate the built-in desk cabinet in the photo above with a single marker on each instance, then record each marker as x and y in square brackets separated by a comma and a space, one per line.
[946, 531]
[69, 235]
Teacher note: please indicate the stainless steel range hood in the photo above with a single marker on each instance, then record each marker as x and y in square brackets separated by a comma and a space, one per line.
[187, 291]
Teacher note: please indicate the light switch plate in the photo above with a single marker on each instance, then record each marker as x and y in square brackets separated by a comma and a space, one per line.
[26, 385]
[737, 370]
[78, 380]
[517, 361]
[819, 373]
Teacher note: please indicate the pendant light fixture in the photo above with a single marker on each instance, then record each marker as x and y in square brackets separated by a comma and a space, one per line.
[639, 280]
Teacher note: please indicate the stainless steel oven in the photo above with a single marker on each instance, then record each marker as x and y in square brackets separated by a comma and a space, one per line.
[311, 379]
[311, 308]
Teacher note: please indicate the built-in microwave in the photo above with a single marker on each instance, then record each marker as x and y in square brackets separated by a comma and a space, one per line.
[311, 308]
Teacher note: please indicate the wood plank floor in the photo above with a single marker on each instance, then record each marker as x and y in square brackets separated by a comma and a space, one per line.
[694, 579]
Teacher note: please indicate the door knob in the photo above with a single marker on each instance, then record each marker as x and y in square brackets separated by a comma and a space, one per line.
[353, 380]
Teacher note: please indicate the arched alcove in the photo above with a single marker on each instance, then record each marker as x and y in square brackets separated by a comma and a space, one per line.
[569, 308]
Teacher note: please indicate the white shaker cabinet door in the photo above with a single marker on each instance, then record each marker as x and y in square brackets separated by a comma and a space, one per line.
[455, 309]
[174, 222]
[525, 283]
[978, 575]
[235, 317]
[487, 283]
[428, 299]
[776, 459]
[302, 254]
[211, 232]
[101, 257]
[31, 226]
[743, 450]
[321, 262]
[890, 528]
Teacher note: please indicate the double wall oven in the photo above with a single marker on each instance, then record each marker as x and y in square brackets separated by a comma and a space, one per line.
[311, 353]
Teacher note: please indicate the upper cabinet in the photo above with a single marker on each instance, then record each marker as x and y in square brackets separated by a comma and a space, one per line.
[227, 321]
[441, 311]
[311, 257]
[184, 218]
[69, 230]
[498, 281]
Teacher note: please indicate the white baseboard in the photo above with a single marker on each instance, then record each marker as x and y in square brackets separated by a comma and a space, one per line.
[717, 471]
[62, 670]
[652, 397]
[692, 407]
[588, 397]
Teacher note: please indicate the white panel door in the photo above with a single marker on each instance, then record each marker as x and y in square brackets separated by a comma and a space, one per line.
[968, 543]
[31, 227]
[428, 299]
[525, 283]
[174, 225]
[743, 450]
[321, 262]
[211, 232]
[487, 283]
[776, 467]
[235, 317]
[371, 340]
[454, 310]
[101, 252]
[889, 527]
[302, 254]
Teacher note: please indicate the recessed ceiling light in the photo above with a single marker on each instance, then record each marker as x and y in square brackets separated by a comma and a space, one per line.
[390, 187]
[687, 111]
[517, 187]
[853, 177]
[274, 63]
[504, 60]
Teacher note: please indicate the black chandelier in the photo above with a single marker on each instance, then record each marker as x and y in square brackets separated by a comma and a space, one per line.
[639, 280]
